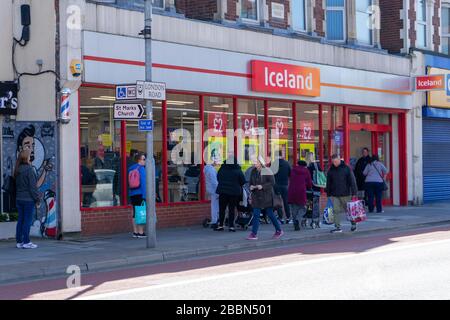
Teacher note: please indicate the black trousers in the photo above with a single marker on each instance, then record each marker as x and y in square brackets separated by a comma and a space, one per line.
[231, 202]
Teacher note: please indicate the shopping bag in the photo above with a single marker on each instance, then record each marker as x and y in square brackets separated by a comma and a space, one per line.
[328, 213]
[319, 177]
[140, 214]
[356, 211]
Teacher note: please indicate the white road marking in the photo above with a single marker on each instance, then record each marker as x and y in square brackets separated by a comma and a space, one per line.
[264, 269]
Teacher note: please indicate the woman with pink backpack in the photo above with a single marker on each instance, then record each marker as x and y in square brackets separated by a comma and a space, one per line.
[137, 185]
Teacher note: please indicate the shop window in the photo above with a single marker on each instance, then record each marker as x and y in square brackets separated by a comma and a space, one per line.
[184, 147]
[446, 28]
[363, 21]
[218, 118]
[136, 143]
[335, 20]
[249, 9]
[100, 149]
[362, 117]
[299, 15]
[308, 132]
[333, 133]
[251, 136]
[280, 130]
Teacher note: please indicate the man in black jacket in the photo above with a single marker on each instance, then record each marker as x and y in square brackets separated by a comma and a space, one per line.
[281, 185]
[230, 182]
[359, 169]
[341, 186]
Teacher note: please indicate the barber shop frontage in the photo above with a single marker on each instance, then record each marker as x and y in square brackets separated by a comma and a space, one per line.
[296, 107]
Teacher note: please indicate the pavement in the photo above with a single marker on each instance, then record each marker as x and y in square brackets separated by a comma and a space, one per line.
[100, 253]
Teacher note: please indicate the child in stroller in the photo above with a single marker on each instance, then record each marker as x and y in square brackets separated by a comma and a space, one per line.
[312, 210]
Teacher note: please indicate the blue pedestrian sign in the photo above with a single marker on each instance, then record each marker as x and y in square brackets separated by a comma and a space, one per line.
[126, 92]
[146, 125]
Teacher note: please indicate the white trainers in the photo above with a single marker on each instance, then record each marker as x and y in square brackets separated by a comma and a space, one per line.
[29, 245]
[19, 245]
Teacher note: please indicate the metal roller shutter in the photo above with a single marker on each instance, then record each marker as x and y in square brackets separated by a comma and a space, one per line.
[436, 160]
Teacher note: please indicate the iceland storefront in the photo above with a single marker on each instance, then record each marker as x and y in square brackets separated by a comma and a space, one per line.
[296, 107]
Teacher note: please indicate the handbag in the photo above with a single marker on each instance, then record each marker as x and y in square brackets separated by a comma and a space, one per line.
[277, 200]
[319, 177]
[385, 186]
[140, 214]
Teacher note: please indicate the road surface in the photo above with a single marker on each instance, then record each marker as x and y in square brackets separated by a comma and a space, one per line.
[413, 264]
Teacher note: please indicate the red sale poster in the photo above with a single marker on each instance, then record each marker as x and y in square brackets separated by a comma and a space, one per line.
[217, 124]
[280, 127]
[248, 125]
[306, 131]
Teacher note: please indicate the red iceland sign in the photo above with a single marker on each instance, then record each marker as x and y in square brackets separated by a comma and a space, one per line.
[285, 78]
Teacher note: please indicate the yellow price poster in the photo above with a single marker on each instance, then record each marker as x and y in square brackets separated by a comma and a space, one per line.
[129, 146]
[250, 150]
[305, 148]
[106, 140]
[280, 144]
[217, 148]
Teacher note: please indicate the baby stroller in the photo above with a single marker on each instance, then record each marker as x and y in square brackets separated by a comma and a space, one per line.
[245, 212]
[312, 210]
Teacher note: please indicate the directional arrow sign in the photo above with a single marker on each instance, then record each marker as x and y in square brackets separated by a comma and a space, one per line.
[128, 111]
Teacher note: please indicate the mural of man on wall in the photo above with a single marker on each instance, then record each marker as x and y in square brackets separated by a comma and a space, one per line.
[27, 140]
[39, 138]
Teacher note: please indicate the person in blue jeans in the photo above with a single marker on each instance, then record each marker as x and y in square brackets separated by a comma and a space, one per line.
[27, 199]
[375, 172]
[138, 195]
[261, 184]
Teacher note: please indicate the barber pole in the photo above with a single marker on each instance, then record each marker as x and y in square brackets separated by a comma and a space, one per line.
[65, 106]
[50, 224]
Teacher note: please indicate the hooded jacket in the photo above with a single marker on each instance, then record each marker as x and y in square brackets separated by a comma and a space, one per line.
[26, 184]
[299, 183]
[230, 179]
[341, 181]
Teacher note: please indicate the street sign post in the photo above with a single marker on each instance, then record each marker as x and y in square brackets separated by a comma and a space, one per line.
[126, 92]
[142, 91]
[150, 90]
[124, 111]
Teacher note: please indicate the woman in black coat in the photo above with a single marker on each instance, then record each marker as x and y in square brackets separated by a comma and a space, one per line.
[231, 180]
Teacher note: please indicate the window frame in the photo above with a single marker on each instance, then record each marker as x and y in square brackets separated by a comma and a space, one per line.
[344, 22]
[423, 23]
[305, 17]
[371, 31]
[160, 8]
[446, 6]
[258, 15]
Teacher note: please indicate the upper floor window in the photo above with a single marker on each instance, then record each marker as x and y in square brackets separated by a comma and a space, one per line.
[299, 15]
[421, 23]
[363, 20]
[158, 3]
[335, 19]
[446, 28]
[249, 9]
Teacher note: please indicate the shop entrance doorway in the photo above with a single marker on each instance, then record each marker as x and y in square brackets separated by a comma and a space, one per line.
[378, 139]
